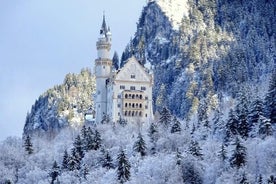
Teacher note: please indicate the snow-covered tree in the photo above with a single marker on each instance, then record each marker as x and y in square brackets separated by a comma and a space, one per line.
[28, 145]
[65, 161]
[195, 150]
[265, 127]
[165, 117]
[140, 145]
[115, 61]
[176, 127]
[270, 100]
[123, 169]
[106, 160]
[54, 173]
[238, 158]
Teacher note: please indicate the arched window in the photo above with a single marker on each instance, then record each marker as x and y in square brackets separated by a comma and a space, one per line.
[129, 104]
[125, 95]
[125, 113]
[133, 113]
[133, 96]
[140, 113]
[136, 113]
[141, 96]
[140, 105]
[137, 105]
[129, 113]
[126, 105]
[129, 95]
[133, 105]
[137, 96]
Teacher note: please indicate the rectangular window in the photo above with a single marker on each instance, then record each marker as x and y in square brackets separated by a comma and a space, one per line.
[132, 76]
[119, 96]
[143, 88]
[119, 105]
[132, 87]
[122, 87]
[146, 98]
[146, 106]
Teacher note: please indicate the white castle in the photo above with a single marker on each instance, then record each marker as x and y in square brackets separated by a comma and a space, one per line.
[122, 94]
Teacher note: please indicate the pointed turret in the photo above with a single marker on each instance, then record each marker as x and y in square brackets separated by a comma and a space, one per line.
[104, 27]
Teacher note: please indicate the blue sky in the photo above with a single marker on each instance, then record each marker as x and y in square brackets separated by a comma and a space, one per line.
[43, 40]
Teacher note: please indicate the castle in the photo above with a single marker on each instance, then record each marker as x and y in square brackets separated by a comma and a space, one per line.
[124, 94]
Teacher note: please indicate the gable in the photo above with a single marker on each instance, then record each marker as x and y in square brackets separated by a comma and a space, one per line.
[133, 71]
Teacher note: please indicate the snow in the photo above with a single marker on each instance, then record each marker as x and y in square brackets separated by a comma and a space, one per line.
[174, 10]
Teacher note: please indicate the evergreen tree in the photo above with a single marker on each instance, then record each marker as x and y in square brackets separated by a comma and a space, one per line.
[65, 161]
[271, 180]
[265, 127]
[178, 157]
[260, 179]
[244, 179]
[231, 126]
[74, 160]
[176, 127]
[195, 149]
[85, 171]
[28, 145]
[122, 121]
[79, 147]
[107, 161]
[84, 137]
[152, 132]
[97, 140]
[238, 158]
[165, 117]
[190, 173]
[222, 153]
[123, 170]
[140, 145]
[90, 139]
[242, 114]
[256, 112]
[115, 61]
[270, 100]
[219, 124]
[54, 173]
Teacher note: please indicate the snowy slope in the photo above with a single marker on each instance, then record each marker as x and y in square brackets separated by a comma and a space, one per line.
[174, 10]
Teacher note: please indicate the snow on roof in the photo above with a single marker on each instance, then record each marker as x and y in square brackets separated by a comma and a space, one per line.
[174, 10]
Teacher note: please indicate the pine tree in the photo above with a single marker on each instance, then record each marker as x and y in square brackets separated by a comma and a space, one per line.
[222, 153]
[115, 61]
[123, 170]
[54, 173]
[140, 145]
[165, 117]
[74, 160]
[84, 137]
[244, 179]
[195, 149]
[190, 173]
[65, 161]
[271, 180]
[176, 127]
[219, 124]
[107, 161]
[122, 121]
[270, 100]
[260, 179]
[256, 111]
[28, 145]
[231, 126]
[85, 171]
[238, 158]
[265, 127]
[178, 157]
[242, 114]
[97, 140]
[79, 147]
[90, 139]
[152, 132]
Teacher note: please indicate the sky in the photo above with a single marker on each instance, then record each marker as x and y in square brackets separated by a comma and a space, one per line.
[43, 40]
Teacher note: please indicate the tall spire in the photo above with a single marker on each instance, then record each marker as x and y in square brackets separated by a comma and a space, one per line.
[104, 27]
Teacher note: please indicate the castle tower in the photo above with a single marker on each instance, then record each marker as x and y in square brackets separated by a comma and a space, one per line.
[103, 65]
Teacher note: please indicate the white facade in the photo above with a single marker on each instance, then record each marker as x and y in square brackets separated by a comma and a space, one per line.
[126, 93]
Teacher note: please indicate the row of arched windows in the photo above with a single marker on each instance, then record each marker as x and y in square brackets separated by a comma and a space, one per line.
[133, 96]
[133, 113]
[133, 105]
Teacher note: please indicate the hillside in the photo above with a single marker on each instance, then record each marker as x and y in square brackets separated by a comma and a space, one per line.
[62, 106]
[219, 49]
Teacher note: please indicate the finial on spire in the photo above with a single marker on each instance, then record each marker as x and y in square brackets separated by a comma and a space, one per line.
[104, 28]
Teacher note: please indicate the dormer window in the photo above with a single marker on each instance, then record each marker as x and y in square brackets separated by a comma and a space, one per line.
[132, 76]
